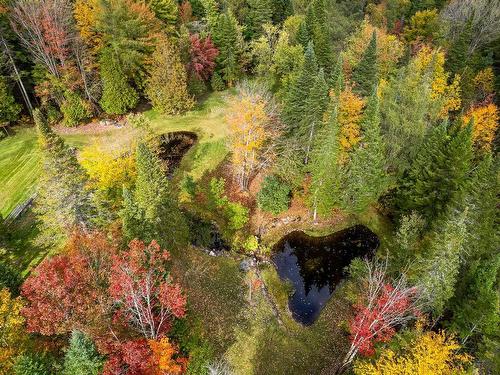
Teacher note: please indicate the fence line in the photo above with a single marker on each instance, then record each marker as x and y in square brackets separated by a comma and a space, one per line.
[19, 210]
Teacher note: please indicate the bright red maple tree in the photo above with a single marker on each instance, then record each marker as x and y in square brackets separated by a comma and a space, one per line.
[202, 57]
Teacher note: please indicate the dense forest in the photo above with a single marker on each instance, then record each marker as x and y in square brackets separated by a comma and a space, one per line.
[156, 154]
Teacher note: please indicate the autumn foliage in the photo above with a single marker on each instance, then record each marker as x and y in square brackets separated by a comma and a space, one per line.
[485, 124]
[202, 57]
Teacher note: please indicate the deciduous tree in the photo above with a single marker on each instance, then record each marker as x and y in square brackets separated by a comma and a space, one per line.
[202, 57]
[485, 124]
[12, 334]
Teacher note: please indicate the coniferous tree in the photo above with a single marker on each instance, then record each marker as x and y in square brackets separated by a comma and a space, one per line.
[82, 357]
[315, 106]
[303, 36]
[281, 10]
[366, 179]
[9, 109]
[152, 214]
[337, 80]
[64, 201]
[259, 13]
[166, 86]
[319, 32]
[457, 57]
[165, 10]
[118, 96]
[325, 169]
[295, 102]
[438, 173]
[365, 73]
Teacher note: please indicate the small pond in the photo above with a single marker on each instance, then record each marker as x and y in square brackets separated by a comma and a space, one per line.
[316, 265]
[173, 146]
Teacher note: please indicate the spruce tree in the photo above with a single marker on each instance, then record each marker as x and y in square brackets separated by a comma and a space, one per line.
[166, 85]
[165, 10]
[320, 34]
[315, 106]
[295, 102]
[259, 13]
[64, 201]
[153, 213]
[82, 357]
[282, 9]
[337, 80]
[457, 56]
[365, 73]
[303, 36]
[366, 179]
[9, 109]
[326, 173]
[118, 96]
[438, 173]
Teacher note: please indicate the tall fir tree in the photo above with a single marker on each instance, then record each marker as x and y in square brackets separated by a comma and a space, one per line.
[315, 107]
[64, 201]
[303, 36]
[82, 357]
[153, 214]
[365, 73]
[337, 80]
[325, 168]
[165, 10]
[282, 9]
[319, 32]
[295, 102]
[259, 13]
[366, 179]
[458, 53]
[438, 174]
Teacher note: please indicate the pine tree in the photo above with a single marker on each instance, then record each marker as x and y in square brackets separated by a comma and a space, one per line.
[438, 173]
[64, 201]
[118, 96]
[315, 106]
[458, 54]
[365, 73]
[282, 9]
[166, 86]
[295, 102]
[259, 13]
[9, 109]
[325, 169]
[366, 179]
[226, 35]
[152, 214]
[82, 357]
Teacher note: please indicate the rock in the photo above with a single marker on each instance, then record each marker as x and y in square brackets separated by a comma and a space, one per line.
[246, 265]
[212, 253]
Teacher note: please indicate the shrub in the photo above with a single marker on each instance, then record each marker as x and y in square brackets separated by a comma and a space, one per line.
[237, 215]
[52, 114]
[274, 196]
[74, 109]
[251, 244]
[217, 82]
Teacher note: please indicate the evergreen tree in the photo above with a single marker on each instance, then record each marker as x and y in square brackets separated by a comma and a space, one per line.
[152, 214]
[366, 179]
[457, 57]
[325, 168]
[337, 80]
[226, 35]
[118, 96]
[438, 173]
[295, 102]
[64, 201]
[365, 73]
[82, 357]
[303, 36]
[282, 9]
[319, 31]
[259, 13]
[9, 109]
[165, 10]
[315, 106]
[166, 86]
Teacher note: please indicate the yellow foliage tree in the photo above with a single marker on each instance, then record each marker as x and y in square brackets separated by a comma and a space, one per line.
[484, 82]
[12, 332]
[445, 95]
[429, 353]
[349, 116]
[109, 170]
[86, 13]
[389, 49]
[485, 122]
[248, 122]
[164, 362]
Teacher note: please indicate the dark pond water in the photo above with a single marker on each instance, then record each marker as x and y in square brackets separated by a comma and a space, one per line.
[173, 146]
[316, 265]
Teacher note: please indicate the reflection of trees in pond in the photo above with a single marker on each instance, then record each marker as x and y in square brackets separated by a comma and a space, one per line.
[173, 146]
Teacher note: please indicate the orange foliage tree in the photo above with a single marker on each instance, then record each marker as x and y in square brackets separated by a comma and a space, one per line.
[485, 124]
[349, 116]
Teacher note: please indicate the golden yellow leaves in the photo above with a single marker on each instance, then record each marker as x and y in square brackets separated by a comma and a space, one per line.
[86, 13]
[485, 124]
[349, 116]
[429, 353]
[12, 330]
[163, 357]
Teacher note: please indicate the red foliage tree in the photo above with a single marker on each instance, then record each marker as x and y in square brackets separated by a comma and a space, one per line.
[202, 57]
[140, 286]
[65, 292]
[382, 307]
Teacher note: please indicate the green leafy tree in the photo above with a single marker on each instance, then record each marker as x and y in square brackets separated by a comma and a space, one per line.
[326, 172]
[82, 357]
[366, 179]
[315, 107]
[295, 102]
[32, 364]
[166, 86]
[274, 195]
[74, 109]
[9, 109]
[152, 213]
[365, 73]
[63, 201]
[438, 173]
[118, 96]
